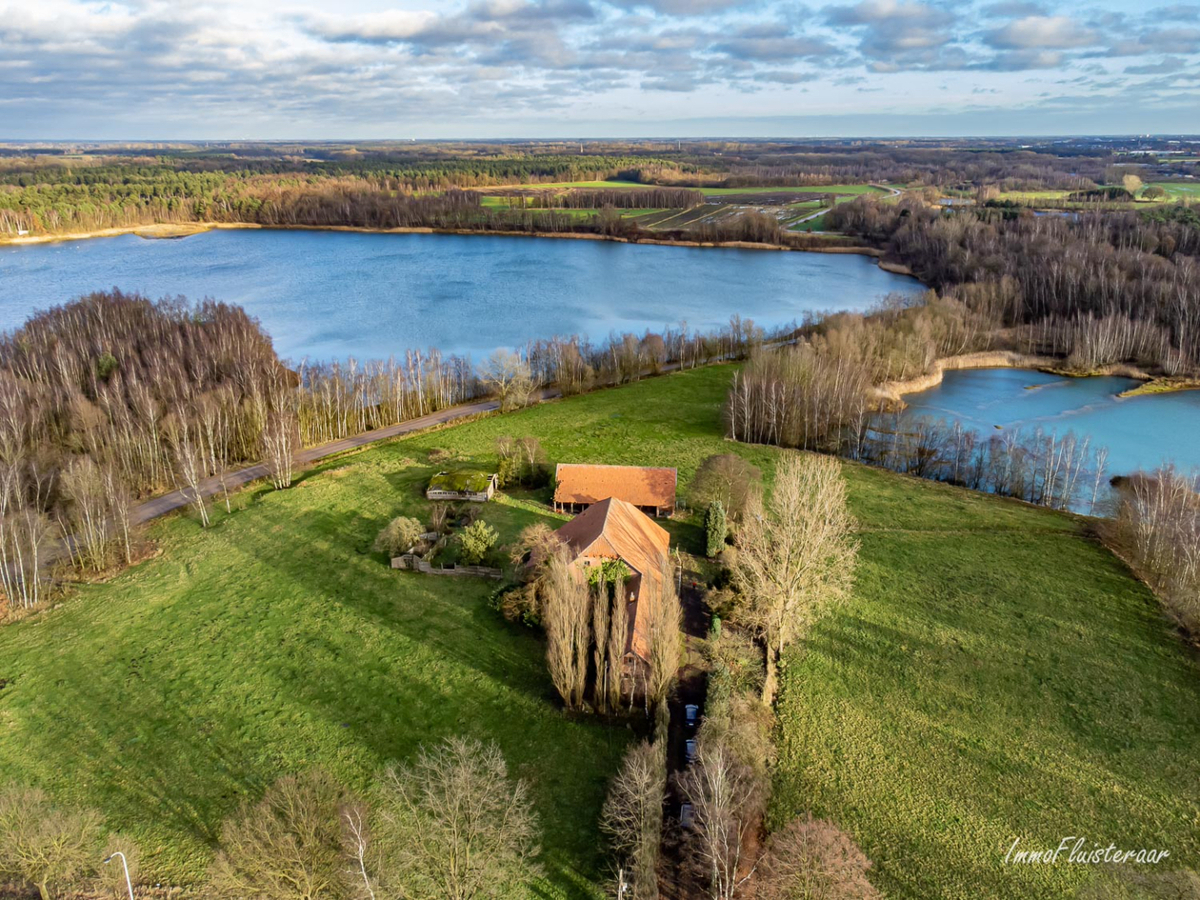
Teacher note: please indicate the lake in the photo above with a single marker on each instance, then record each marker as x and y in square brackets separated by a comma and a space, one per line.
[1140, 432]
[332, 295]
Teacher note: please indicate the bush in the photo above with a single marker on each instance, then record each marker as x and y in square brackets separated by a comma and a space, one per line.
[399, 535]
[477, 540]
[715, 528]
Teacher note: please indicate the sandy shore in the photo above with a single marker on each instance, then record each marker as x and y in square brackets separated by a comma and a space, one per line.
[163, 232]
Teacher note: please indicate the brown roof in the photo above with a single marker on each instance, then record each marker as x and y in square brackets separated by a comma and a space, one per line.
[639, 485]
[614, 529]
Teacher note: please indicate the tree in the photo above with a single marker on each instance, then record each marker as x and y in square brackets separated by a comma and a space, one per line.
[287, 846]
[565, 610]
[508, 376]
[725, 477]
[632, 817]
[534, 547]
[1131, 183]
[812, 859]
[455, 826]
[1153, 192]
[728, 800]
[45, 845]
[796, 556]
[478, 539]
[664, 622]
[399, 535]
[714, 528]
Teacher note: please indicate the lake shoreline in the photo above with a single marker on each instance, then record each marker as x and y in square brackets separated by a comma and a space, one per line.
[175, 232]
[890, 394]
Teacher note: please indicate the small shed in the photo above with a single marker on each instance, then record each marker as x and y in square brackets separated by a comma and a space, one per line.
[477, 487]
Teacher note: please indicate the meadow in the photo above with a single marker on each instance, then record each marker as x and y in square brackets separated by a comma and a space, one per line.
[997, 674]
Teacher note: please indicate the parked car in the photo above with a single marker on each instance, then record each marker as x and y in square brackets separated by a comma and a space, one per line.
[691, 715]
[687, 815]
[689, 750]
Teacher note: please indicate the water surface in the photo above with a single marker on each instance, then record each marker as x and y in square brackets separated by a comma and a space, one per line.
[330, 295]
[1140, 432]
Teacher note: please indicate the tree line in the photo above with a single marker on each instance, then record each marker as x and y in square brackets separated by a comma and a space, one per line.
[1099, 287]
[113, 397]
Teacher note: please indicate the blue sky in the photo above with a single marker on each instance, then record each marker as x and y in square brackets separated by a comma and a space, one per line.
[163, 69]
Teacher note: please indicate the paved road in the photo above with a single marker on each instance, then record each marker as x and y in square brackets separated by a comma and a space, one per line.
[152, 509]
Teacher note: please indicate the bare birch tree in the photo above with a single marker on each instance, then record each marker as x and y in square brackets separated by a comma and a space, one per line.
[727, 800]
[632, 817]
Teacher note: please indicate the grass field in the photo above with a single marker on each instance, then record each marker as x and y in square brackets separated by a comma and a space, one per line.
[1180, 191]
[998, 674]
[274, 642]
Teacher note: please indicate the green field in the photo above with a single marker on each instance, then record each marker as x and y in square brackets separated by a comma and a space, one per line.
[998, 674]
[1180, 191]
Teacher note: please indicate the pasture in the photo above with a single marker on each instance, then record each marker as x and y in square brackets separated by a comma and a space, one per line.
[997, 673]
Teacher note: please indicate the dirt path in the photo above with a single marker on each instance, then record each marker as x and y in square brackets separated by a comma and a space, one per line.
[675, 881]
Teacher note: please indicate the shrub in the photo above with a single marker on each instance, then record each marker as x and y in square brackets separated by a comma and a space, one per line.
[477, 540]
[399, 535]
[715, 528]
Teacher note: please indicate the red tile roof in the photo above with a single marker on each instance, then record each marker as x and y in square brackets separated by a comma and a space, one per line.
[614, 529]
[639, 485]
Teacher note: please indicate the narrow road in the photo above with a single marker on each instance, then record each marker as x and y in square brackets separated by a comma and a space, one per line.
[159, 506]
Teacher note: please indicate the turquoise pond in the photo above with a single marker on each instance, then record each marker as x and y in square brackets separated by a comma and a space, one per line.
[1139, 432]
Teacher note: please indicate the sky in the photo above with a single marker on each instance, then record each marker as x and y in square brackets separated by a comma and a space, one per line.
[419, 69]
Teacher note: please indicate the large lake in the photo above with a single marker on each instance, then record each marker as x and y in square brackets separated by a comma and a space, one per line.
[1140, 432]
[331, 295]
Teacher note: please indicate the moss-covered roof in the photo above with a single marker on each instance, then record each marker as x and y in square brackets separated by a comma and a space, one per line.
[461, 482]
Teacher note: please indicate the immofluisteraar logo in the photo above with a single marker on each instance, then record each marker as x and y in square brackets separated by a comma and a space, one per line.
[1080, 851]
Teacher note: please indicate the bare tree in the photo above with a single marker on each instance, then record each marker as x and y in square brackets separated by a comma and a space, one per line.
[632, 817]
[356, 832]
[728, 799]
[45, 845]
[664, 624]
[288, 846]
[187, 454]
[812, 859]
[455, 826]
[727, 478]
[565, 608]
[509, 377]
[618, 640]
[796, 556]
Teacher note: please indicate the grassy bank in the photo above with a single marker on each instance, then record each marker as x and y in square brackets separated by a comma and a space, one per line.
[997, 675]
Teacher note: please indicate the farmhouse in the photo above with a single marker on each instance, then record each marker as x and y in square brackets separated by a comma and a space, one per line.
[474, 486]
[652, 490]
[615, 530]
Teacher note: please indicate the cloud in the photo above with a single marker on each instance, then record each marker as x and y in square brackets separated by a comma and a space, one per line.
[895, 35]
[1041, 32]
[140, 67]
[683, 7]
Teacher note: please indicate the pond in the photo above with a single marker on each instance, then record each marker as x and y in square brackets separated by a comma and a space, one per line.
[332, 295]
[1139, 432]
